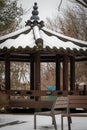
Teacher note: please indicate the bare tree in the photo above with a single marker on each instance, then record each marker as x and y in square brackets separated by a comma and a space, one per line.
[2, 75]
[81, 72]
[81, 2]
[20, 75]
[47, 75]
[73, 23]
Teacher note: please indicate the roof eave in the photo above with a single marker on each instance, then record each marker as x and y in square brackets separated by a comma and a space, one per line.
[15, 34]
[65, 38]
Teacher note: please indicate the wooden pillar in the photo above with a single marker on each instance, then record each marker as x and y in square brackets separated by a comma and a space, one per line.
[58, 72]
[37, 79]
[65, 73]
[7, 71]
[31, 72]
[72, 73]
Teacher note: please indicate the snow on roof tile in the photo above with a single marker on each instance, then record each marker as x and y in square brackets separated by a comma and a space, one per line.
[29, 39]
[2, 38]
[53, 41]
[63, 37]
[22, 40]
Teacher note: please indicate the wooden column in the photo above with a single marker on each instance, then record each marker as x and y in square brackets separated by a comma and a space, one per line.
[7, 71]
[65, 73]
[37, 79]
[72, 73]
[32, 72]
[58, 72]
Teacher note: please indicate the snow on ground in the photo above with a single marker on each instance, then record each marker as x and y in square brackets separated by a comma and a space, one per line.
[26, 122]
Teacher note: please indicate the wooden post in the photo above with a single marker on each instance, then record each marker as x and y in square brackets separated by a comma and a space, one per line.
[58, 72]
[31, 72]
[37, 79]
[7, 71]
[72, 73]
[65, 73]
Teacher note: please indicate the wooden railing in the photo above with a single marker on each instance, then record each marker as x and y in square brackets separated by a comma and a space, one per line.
[35, 98]
[40, 93]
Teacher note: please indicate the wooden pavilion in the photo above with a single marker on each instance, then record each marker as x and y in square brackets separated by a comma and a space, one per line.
[35, 44]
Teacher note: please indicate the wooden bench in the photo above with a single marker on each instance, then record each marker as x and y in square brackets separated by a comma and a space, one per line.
[60, 102]
[74, 101]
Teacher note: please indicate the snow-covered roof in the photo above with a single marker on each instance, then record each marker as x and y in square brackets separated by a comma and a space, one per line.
[28, 37]
[22, 40]
[35, 35]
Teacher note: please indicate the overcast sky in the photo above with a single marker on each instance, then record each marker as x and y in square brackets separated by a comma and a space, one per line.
[46, 8]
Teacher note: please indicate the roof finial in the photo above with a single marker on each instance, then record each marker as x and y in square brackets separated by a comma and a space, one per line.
[35, 13]
[35, 18]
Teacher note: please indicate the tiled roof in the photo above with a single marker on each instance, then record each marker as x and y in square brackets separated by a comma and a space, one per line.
[35, 36]
[29, 37]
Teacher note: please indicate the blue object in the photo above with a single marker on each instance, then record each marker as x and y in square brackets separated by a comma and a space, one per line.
[49, 87]
[54, 88]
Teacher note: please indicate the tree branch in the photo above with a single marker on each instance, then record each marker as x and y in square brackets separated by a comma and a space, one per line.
[59, 5]
[83, 3]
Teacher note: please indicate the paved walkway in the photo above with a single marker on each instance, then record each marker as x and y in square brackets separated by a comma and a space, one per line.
[25, 122]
